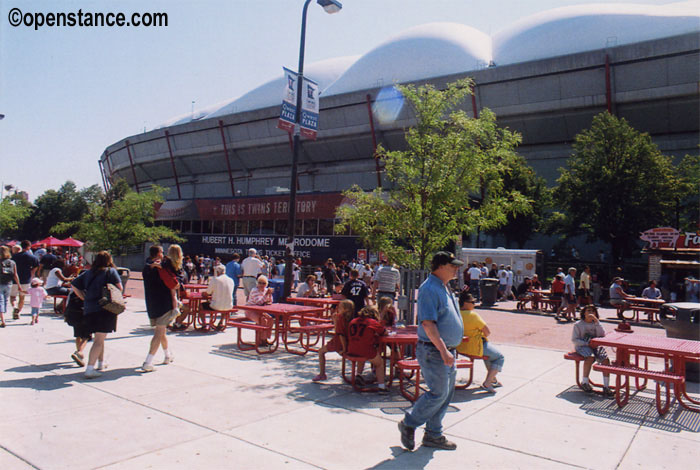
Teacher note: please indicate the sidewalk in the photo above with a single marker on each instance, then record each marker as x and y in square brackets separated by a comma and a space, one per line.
[216, 407]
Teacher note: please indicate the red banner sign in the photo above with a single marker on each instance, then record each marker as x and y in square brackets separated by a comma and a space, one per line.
[309, 206]
[668, 237]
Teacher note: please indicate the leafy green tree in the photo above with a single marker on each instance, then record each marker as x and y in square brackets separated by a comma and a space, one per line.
[617, 185]
[67, 204]
[13, 210]
[123, 218]
[435, 183]
[521, 227]
[688, 207]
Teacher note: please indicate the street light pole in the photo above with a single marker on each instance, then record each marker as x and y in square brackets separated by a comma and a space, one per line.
[331, 6]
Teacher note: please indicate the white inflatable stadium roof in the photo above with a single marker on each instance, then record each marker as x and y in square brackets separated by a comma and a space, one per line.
[438, 49]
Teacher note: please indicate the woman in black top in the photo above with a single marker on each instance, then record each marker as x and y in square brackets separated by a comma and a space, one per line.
[88, 286]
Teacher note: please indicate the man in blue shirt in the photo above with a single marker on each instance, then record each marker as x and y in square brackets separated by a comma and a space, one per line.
[233, 270]
[440, 331]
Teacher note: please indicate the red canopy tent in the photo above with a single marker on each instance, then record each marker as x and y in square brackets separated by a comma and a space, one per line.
[71, 242]
[48, 241]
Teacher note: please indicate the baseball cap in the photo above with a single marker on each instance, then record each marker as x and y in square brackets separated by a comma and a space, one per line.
[443, 257]
[252, 251]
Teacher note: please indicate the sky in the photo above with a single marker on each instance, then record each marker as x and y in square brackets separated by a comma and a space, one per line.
[69, 92]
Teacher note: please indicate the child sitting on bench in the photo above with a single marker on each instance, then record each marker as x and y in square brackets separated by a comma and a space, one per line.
[584, 330]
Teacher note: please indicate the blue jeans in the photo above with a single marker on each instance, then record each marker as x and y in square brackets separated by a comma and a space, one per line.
[495, 359]
[4, 296]
[235, 289]
[474, 288]
[432, 405]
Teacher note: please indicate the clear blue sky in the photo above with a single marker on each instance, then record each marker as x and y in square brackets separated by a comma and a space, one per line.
[68, 93]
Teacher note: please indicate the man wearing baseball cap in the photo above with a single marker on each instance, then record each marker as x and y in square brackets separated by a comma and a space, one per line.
[440, 331]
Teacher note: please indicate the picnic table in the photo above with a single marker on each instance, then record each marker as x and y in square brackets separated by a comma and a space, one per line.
[641, 304]
[397, 341]
[195, 287]
[327, 303]
[283, 315]
[631, 348]
[543, 297]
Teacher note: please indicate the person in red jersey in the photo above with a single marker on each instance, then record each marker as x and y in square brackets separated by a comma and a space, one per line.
[363, 340]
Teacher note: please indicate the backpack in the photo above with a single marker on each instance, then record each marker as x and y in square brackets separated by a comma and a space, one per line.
[6, 272]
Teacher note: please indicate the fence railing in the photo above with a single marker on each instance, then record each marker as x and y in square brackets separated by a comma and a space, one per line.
[411, 279]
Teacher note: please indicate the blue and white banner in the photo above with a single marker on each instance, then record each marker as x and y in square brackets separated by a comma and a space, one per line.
[289, 101]
[309, 105]
[309, 109]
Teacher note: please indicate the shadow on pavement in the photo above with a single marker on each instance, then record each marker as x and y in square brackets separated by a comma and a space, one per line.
[640, 411]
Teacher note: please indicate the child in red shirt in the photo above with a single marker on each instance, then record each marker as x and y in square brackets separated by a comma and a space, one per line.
[363, 340]
[339, 343]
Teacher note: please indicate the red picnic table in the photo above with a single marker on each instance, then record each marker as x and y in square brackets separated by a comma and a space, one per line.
[641, 304]
[283, 314]
[631, 347]
[195, 287]
[328, 303]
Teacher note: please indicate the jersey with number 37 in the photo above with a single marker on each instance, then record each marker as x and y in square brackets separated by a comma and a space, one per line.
[363, 336]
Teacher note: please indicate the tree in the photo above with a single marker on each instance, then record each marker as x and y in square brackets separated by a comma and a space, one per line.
[617, 185]
[122, 218]
[13, 210]
[688, 208]
[66, 204]
[520, 227]
[435, 183]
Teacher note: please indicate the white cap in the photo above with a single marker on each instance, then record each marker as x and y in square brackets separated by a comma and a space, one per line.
[252, 251]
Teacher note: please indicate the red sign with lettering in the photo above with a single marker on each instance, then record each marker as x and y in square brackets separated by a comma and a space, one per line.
[668, 237]
[309, 206]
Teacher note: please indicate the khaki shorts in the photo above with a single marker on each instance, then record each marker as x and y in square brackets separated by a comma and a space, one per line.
[165, 319]
[14, 290]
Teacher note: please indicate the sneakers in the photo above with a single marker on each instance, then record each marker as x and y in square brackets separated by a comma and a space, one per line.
[438, 442]
[407, 436]
[169, 359]
[147, 367]
[78, 358]
[92, 374]
[101, 365]
[586, 387]
[15, 314]
[607, 392]
[319, 378]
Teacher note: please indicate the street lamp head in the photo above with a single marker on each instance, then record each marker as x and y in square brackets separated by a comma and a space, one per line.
[331, 6]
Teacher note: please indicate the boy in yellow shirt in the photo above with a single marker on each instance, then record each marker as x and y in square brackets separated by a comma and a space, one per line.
[477, 331]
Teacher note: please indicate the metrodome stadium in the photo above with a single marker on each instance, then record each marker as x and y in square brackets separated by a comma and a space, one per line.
[227, 168]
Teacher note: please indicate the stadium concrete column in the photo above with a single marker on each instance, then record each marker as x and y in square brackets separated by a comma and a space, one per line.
[330, 6]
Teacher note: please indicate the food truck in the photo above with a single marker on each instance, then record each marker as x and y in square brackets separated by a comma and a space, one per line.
[524, 263]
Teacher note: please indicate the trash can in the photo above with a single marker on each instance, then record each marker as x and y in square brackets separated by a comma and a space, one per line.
[124, 274]
[277, 286]
[489, 291]
[682, 320]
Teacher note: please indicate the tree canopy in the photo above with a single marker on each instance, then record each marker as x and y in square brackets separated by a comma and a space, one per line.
[449, 180]
[616, 185]
[14, 209]
[122, 218]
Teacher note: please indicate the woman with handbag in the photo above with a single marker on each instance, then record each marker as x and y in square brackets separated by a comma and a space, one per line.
[89, 287]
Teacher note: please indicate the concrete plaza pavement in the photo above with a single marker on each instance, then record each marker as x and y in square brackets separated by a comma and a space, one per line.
[216, 407]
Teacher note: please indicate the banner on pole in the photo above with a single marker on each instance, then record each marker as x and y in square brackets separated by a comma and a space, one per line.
[309, 109]
[289, 101]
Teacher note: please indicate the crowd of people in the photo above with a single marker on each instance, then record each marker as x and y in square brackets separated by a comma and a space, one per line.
[447, 324]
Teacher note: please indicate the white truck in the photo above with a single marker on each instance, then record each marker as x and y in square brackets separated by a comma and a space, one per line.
[524, 262]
